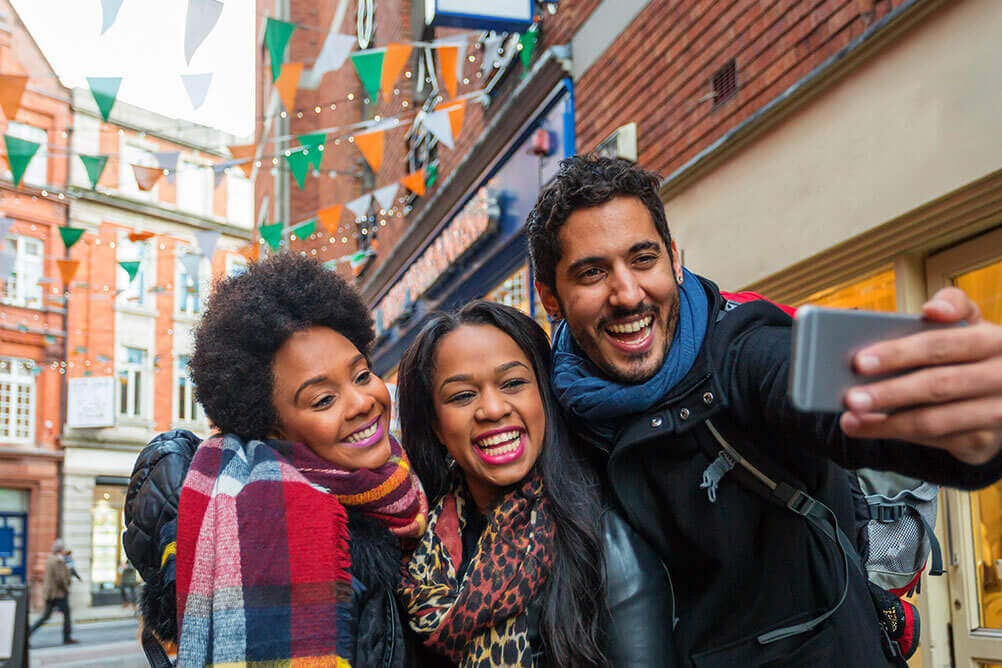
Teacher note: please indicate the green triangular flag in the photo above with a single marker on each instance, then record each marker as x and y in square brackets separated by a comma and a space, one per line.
[104, 90]
[19, 154]
[314, 141]
[70, 235]
[305, 230]
[299, 162]
[369, 65]
[272, 234]
[276, 38]
[528, 42]
[131, 267]
[94, 164]
[432, 176]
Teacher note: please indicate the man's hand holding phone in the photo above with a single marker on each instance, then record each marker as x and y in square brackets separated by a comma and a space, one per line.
[951, 395]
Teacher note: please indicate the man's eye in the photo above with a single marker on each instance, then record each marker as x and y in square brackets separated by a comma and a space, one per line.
[646, 259]
[324, 401]
[589, 274]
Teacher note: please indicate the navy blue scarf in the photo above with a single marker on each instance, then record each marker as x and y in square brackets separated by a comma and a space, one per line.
[586, 392]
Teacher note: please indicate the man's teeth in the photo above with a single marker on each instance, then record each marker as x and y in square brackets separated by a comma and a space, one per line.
[499, 444]
[630, 327]
[364, 434]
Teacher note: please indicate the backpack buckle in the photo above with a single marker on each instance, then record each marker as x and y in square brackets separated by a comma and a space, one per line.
[888, 513]
[800, 502]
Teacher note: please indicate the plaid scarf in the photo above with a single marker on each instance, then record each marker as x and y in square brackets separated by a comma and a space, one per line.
[481, 621]
[262, 552]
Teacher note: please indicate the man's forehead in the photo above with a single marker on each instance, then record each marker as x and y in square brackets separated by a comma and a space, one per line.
[607, 231]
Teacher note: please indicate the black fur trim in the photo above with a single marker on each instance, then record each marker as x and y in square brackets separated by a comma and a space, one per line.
[158, 607]
[375, 552]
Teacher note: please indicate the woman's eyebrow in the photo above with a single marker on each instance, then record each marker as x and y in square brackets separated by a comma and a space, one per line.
[312, 381]
[511, 365]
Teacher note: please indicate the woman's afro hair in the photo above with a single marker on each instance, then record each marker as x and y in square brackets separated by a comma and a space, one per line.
[247, 319]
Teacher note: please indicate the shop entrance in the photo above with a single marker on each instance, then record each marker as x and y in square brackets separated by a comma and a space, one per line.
[974, 520]
[13, 536]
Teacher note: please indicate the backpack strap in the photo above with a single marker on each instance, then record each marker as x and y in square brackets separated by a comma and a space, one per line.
[892, 512]
[155, 652]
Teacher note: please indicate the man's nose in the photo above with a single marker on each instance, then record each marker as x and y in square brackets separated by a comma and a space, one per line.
[625, 290]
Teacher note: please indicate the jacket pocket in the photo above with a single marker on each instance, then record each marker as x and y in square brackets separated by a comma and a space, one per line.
[814, 648]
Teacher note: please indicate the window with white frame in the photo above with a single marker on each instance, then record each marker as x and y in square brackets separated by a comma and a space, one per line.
[186, 291]
[132, 374]
[235, 264]
[37, 172]
[17, 400]
[134, 292]
[186, 408]
[129, 155]
[240, 201]
[21, 287]
[194, 187]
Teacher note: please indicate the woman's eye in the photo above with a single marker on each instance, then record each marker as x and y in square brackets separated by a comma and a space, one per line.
[324, 401]
[514, 383]
[459, 398]
[363, 377]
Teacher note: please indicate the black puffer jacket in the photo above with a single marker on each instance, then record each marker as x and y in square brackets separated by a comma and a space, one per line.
[151, 525]
[741, 565]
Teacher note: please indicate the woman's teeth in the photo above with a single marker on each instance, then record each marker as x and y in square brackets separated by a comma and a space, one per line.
[368, 432]
[499, 444]
[630, 327]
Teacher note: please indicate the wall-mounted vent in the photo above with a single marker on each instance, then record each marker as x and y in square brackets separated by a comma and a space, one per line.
[725, 84]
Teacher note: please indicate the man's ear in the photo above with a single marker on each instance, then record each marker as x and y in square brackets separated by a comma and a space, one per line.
[549, 300]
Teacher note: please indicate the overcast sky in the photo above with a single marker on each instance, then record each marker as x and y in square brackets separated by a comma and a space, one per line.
[145, 47]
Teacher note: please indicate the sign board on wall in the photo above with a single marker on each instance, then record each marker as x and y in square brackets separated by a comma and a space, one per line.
[90, 402]
[499, 15]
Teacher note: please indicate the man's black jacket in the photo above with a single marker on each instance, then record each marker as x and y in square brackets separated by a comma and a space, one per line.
[742, 566]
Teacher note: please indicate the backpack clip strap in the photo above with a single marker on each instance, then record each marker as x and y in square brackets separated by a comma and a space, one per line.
[154, 651]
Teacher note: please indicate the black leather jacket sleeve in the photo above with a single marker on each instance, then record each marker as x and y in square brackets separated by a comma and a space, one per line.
[641, 606]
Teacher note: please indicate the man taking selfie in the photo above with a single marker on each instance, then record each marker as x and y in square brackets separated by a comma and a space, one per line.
[664, 381]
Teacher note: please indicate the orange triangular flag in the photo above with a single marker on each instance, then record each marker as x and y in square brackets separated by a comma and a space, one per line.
[287, 83]
[68, 269]
[415, 182]
[457, 112]
[393, 61]
[140, 236]
[11, 91]
[371, 146]
[329, 217]
[448, 56]
[251, 251]
[246, 154]
[147, 177]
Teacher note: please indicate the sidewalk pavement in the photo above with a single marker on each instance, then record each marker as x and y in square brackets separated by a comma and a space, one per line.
[109, 644]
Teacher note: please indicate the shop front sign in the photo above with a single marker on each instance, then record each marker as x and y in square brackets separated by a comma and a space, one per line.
[91, 401]
[500, 15]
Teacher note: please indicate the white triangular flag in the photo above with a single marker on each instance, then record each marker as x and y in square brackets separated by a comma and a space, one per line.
[206, 240]
[7, 260]
[386, 195]
[202, 17]
[190, 263]
[438, 124]
[109, 12]
[336, 49]
[168, 160]
[491, 55]
[197, 86]
[218, 172]
[360, 206]
[5, 225]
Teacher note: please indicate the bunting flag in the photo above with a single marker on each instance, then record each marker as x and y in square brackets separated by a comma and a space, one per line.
[191, 263]
[386, 195]
[287, 84]
[305, 230]
[140, 236]
[5, 225]
[207, 240]
[7, 261]
[369, 65]
[457, 112]
[448, 56]
[528, 42]
[276, 38]
[94, 164]
[11, 91]
[245, 154]
[131, 267]
[109, 12]
[272, 234]
[330, 217]
[202, 17]
[393, 62]
[68, 269]
[332, 56]
[357, 260]
[70, 235]
[415, 182]
[251, 251]
[371, 146]
[167, 161]
[218, 172]
[438, 124]
[314, 142]
[104, 90]
[299, 163]
[432, 175]
[491, 56]
[197, 87]
[19, 154]
[146, 177]
[360, 206]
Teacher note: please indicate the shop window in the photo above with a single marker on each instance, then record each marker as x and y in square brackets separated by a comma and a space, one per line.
[107, 556]
[37, 172]
[235, 264]
[21, 287]
[17, 400]
[186, 291]
[131, 376]
[186, 407]
[516, 291]
[874, 293]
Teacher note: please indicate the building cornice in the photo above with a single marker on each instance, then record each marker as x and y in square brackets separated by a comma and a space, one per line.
[9, 451]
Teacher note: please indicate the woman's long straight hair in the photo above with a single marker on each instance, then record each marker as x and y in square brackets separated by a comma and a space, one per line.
[574, 592]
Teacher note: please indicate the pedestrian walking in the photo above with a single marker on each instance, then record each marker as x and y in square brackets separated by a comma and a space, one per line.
[56, 590]
[127, 584]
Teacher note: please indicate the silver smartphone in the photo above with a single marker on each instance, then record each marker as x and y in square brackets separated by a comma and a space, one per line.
[824, 343]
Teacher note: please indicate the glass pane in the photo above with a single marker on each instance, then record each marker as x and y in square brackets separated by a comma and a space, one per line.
[180, 399]
[984, 286]
[875, 293]
[106, 518]
[137, 402]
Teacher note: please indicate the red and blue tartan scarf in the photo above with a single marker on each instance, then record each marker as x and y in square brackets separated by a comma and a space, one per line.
[263, 567]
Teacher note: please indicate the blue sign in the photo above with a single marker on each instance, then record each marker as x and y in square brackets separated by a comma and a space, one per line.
[498, 15]
[6, 542]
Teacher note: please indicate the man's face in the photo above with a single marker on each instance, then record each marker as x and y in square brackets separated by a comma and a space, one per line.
[616, 286]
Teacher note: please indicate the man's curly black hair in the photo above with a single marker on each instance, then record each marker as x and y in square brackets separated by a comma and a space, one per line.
[583, 181]
[247, 319]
